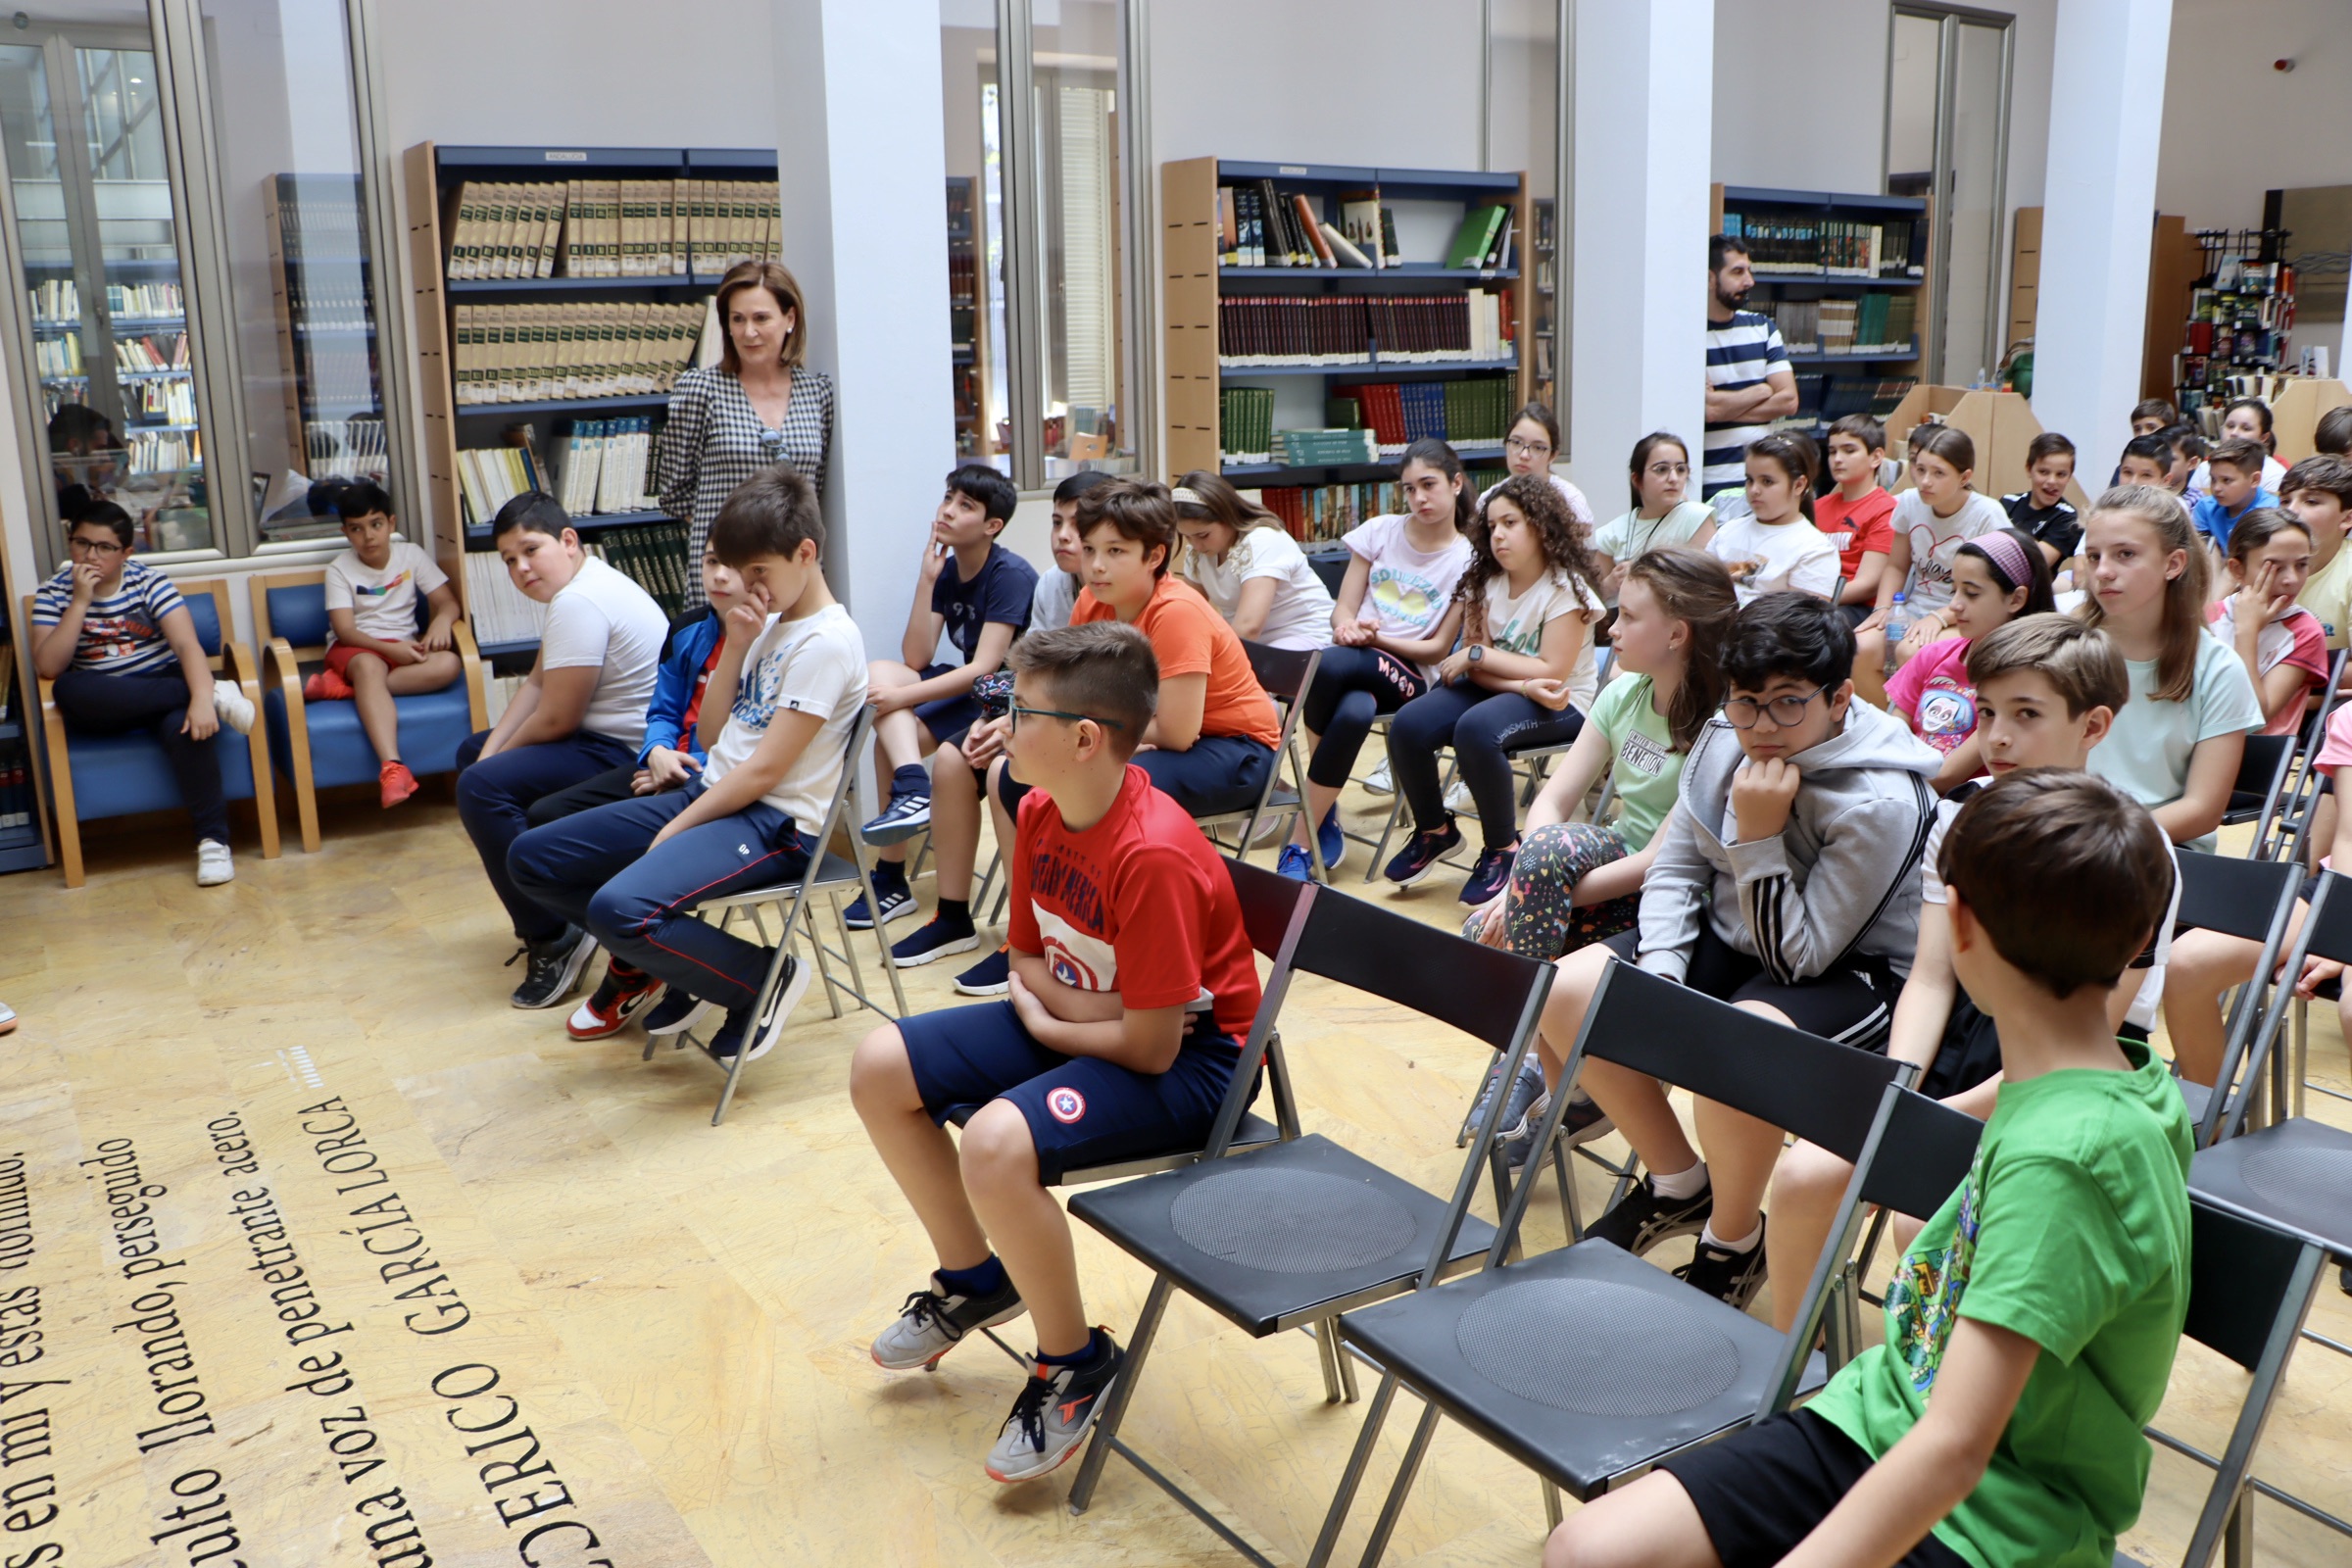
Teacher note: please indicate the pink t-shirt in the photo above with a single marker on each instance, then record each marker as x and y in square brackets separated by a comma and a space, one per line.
[1934, 690]
[2296, 638]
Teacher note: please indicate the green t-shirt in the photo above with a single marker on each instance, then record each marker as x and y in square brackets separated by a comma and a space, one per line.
[2071, 1229]
[1647, 766]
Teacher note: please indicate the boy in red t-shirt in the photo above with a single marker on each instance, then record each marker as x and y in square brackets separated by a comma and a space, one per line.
[1855, 511]
[1132, 983]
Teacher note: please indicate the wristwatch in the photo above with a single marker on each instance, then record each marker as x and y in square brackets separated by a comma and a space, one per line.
[1478, 651]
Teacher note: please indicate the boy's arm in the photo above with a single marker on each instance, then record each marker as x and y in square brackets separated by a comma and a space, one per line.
[1864, 853]
[673, 683]
[921, 638]
[1674, 896]
[180, 630]
[1182, 705]
[563, 703]
[519, 707]
[785, 739]
[442, 602]
[53, 645]
[1864, 588]
[1923, 1006]
[1140, 1039]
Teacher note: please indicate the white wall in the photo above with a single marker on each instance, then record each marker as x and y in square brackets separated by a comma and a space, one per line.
[2233, 127]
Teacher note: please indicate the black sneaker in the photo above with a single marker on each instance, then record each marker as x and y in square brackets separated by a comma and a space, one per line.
[1732, 1278]
[908, 813]
[897, 902]
[991, 976]
[935, 1321]
[936, 939]
[1582, 1122]
[1645, 1219]
[676, 1012]
[555, 967]
[1490, 876]
[766, 1028]
[1422, 853]
[1053, 1414]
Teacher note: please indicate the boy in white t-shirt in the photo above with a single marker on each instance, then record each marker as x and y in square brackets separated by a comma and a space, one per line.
[791, 677]
[580, 713]
[375, 652]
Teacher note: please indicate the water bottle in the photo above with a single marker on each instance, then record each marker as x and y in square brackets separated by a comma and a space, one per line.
[1898, 624]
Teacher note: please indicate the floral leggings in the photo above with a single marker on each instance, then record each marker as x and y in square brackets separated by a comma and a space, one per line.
[1540, 921]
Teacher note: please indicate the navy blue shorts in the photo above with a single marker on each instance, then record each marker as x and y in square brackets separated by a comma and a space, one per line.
[948, 718]
[1082, 1111]
[1221, 773]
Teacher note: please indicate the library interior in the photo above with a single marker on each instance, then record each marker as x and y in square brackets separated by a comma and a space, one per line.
[1284, 359]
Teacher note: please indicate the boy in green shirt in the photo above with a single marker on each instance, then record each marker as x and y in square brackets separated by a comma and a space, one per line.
[2040, 1306]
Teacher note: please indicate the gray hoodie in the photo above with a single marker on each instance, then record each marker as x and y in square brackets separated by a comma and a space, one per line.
[1841, 880]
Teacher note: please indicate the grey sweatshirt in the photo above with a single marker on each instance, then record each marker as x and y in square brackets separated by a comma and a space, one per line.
[1841, 879]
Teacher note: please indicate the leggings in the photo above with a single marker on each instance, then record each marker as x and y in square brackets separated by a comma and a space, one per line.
[1542, 921]
[1484, 727]
[1351, 686]
[155, 702]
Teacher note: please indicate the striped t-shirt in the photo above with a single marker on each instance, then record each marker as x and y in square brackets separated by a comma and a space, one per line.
[121, 632]
[1741, 353]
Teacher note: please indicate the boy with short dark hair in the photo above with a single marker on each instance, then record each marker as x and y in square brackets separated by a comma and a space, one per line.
[2237, 468]
[789, 678]
[2151, 415]
[2031, 1326]
[1132, 984]
[374, 652]
[2040, 510]
[1854, 514]
[2319, 492]
[2333, 435]
[2148, 459]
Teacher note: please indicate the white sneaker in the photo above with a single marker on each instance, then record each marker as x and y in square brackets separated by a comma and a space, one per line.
[1376, 782]
[234, 710]
[1459, 801]
[8, 1018]
[213, 863]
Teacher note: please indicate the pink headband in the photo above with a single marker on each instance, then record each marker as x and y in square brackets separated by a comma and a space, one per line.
[2007, 556]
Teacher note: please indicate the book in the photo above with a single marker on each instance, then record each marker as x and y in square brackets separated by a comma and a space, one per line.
[1343, 248]
[1360, 221]
[1471, 242]
[1311, 229]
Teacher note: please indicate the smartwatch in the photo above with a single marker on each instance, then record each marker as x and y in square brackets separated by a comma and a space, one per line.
[1478, 651]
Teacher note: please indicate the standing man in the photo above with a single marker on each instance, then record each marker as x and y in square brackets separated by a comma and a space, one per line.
[1750, 383]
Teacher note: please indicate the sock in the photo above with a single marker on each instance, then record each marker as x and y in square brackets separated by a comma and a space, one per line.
[912, 779]
[1683, 1182]
[955, 913]
[1746, 1244]
[1094, 1348]
[890, 876]
[982, 1279]
[627, 973]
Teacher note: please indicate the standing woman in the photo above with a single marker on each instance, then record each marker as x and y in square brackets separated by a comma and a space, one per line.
[758, 406]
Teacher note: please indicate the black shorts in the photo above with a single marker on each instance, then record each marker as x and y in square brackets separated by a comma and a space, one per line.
[948, 719]
[1856, 615]
[1761, 1490]
[1853, 1004]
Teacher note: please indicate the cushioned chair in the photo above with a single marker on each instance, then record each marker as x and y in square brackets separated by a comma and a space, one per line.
[92, 777]
[321, 745]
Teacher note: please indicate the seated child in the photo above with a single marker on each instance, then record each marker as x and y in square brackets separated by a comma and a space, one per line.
[2333, 435]
[1855, 514]
[580, 713]
[2187, 448]
[1247, 564]
[1534, 441]
[2245, 419]
[1996, 578]
[2040, 510]
[1777, 546]
[2032, 1325]
[1133, 984]
[2235, 489]
[2151, 415]
[788, 681]
[375, 654]
[1938, 514]
[1663, 517]
[1057, 590]
[117, 641]
[1786, 882]
[2283, 645]
[2319, 491]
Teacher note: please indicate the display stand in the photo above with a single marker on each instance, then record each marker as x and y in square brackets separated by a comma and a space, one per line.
[2000, 424]
[2296, 414]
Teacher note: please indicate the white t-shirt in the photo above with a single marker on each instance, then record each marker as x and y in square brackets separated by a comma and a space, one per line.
[1301, 616]
[603, 620]
[382, 601]
[815, 665]
[1795, 555]
[2147, 751]
[1056, 597]
[2200, 479]
[1517, 626]
[1410, 590]
[2151, 986]
[1579, 508]
[1935, 541]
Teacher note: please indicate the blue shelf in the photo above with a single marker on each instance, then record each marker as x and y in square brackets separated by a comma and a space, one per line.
[590, 522]
[28, 857]
[1363, 367]
[587, 406]
[1818, 280]
[10, 731]
[736, 157]
[1765, 196]
[1876, 356]
[1408, 273]
[570, 285]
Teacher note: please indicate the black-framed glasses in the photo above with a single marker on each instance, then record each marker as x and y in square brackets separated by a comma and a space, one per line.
[97, 546]
[1786, 712]
[1016, 710]
[1528, 449]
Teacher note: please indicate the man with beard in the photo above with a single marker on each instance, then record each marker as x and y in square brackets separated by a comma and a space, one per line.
[1750, 383]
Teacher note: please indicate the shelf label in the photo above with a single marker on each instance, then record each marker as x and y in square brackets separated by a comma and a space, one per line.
[564, 157]
[1299, 170]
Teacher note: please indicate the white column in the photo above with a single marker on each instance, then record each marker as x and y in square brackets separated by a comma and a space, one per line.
[1645, 87]
[862, 158]
[2098, 217]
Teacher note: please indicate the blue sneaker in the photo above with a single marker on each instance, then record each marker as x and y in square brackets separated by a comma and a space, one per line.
[897, 904]
[1331, 840]
[1294, 863]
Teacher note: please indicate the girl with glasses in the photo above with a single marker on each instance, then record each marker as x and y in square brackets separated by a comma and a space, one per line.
[1531, 448]
[1663, 515]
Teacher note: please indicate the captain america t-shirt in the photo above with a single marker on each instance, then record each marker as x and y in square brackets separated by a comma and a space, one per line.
[1139, 903]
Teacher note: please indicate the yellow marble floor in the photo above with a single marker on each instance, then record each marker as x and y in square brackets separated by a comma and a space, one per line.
[375, 1268]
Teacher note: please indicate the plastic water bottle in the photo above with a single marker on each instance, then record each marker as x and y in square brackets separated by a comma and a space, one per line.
[1898, 624]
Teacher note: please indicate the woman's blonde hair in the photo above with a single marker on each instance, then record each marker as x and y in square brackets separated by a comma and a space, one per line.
[779, 282]
[2184, 595]
[1211, 498]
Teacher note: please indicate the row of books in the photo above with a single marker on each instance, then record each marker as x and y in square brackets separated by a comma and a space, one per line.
[1400, 414]
[57, 358]
[319, 224]
[1340, 330]
[570, 349]
[18, 803]
[501, 612]
[1326, 447]
[1781, 246]
[1246, 424]
[1875, 324]
[488, 477]
[1824, 397]
[1328, 510]
[161, 400]
[346, 449]
[1259, 225]
[653, 556]
[152, 353]
[321, 298]
[57, 301]
[163, 450]
[611, 227]
[602, 465]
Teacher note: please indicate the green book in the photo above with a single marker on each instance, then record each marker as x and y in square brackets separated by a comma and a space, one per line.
[1476, 236]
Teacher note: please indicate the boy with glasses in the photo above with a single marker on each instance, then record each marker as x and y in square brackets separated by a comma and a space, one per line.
[118, 641]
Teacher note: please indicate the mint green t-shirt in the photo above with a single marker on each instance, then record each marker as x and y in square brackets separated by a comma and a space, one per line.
[2072, 1230]
[2147, 751]
[1646, 765]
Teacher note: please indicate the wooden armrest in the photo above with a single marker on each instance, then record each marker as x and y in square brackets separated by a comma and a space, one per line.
[279, 665]
[469, 657]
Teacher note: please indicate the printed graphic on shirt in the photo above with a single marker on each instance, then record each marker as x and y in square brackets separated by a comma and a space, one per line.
[758, 692]
[108, 638]
[383, 590]
[1948, 714]
[1406, 596]
[1923, 1298]
[1643, 756]
[1076, 957]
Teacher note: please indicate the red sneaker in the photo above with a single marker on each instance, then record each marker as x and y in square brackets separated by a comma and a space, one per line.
[327, 687]
[620, 995]
[396, 783]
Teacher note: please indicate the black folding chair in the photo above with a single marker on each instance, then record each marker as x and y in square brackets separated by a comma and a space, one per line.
[1938, 1144]
[2250, 1288]
[1292, 1235]
[1284, 674]
[1586, 1364]
[2261, 781]
[2286, 834]
[2253, 900]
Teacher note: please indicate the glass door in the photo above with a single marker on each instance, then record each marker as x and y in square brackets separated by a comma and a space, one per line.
[1947, 140]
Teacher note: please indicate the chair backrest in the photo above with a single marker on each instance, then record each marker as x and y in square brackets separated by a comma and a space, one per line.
[2263, 767]
[1284, 672]
[1925, 1153]
[292, 605]
[2242, 1274]
[204, 611]
[1274, 912]
[1481, 991]
[1268, 901]
[2327, 933]
[2236, 898]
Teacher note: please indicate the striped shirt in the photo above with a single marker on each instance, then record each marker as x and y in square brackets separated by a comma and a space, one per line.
[121, 632]
[1743, 353]
[714, 439]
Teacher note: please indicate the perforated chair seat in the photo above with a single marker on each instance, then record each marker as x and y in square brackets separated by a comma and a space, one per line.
[1283, 1236]
[1580, 1363]
[2297, 1174]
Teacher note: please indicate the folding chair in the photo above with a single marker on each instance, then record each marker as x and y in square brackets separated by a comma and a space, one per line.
[1586, 1364]
[2289, 831]
[826, 873]
[2253, 900]
[2261, 781]
[1285, 674]
[2250, 1289]
[1291, 1235]
[1939, 1145]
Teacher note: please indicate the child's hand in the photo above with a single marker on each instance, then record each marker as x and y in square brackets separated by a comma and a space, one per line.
[397, 654]
[1546, 691]
[201, 721]
[1026, 1006]
[746, 620]
[1452, 667]
[87, 575]
[935, 561]
[1762, 793]
[641, 782]
[1493, 919]
[1352, 634]
[983, 744]
[2274, 602]
[1869, 623]
[668, 769]
[2316, 972]
[887, 699]
[1923, 635]
[437, 638]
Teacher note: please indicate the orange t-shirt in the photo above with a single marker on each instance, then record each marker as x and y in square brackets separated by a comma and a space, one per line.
[1190, 638]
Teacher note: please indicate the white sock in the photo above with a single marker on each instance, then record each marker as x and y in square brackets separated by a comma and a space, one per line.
[1746, 1244]
[1682, 1183]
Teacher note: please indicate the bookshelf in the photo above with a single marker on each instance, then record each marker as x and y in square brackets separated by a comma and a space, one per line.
[560, 291]
[968, 317]
[2240, 309]
[318, 295]
[1313, 348]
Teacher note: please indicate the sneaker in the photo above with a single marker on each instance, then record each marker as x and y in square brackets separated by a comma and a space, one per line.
[897, 904]
[1378, 782]
[619, 998]
[1295, 864]
[936, 939]
[1582, 1122]
[553, 969]
[1645, 1219]
[233, 705]
[213, 864]
[396, 783]
[935, 1321]
[1332, 840]
[1490, 876]
[325, 687]
[1732, 1278]
[1052, 1416]
[8, 1019]
[991, 976]
[675, 1013]
[908, 813]
[765, 1028]
[1422, 853]
[1526, 1089]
